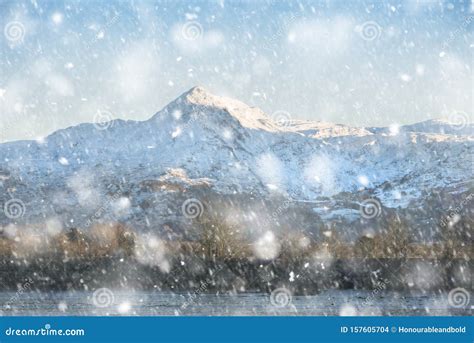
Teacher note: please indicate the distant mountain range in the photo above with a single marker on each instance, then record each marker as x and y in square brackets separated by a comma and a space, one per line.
[235, 159]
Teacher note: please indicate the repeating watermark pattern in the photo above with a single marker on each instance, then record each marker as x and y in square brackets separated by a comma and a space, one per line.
[281, 118]
[14, 31]
[192, 208]
[270, 42]
[192, 298]
[381, 286]
[103, 120]
[370, 30]
[102, 30]
[202, 288]
[14, 208]
[459, 30]
[99, 213]
[459, 297]
[103, 297]
[281, 297]
[451, 217]
[192, 30]
[459, 120]
[26, 286]
[265, 275]
[370, 208]
[269, 220]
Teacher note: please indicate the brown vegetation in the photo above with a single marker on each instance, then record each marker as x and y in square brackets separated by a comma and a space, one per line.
[219, 240]
[114, 251]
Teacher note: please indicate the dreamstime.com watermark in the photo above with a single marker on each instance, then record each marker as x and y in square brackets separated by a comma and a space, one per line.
[282, 118]
[380, 287]
[193, 297]
[459, 30]
[105, 208]
[45, 331]
[14, 208]
[459, 298]
[14, 31]
[24, 287]
[269, 43]
[103, 120]
[281, 297]
[192, 30]
[453, 214]
[192, 208]
[200, 290]
[102, 30]
[103, 297]
[369, 30]
[370, 208]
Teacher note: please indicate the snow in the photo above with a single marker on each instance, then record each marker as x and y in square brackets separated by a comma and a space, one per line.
[320, 172]
[53, 227]
[267, 246]
[124, 307]
[363, 180]
[271, 170]
[319, 129]
[394, 129]
[62, 306]
[221, 143]
[63, 161]
[405, 77]
[150, 250]
[57, 18]
[82, 184]
[347, 310]
[352, 115]
[248, 117]
[121, 207]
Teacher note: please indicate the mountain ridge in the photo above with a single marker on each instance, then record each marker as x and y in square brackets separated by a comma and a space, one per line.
[230, 148]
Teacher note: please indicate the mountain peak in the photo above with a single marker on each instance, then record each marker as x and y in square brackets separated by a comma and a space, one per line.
[247, 116]
[199, 95]
[198, 90]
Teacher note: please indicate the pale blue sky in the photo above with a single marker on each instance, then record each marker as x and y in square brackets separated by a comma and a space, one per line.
[62, 61]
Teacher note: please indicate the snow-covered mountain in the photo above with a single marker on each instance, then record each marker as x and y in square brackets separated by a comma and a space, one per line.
[209, 144]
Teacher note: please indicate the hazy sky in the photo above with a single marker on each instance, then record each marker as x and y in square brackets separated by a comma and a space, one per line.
[359, 63]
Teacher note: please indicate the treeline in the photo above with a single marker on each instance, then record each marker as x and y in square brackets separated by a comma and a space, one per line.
[226, 259]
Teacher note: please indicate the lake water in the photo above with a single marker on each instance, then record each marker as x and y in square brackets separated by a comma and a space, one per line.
[141, 303]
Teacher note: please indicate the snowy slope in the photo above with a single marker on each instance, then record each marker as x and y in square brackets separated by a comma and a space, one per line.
[443, 126]
[459, 126]
[203, 140]
[321, 129]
